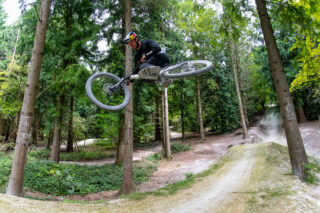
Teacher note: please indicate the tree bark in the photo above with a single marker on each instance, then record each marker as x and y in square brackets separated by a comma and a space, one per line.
[35, 128]
[120, 148]
[165, 120]
[296, 148]
[50, 137]
[127, 181]
[301, 115]
[57, 130]
[16, 180]
[243, 99]
[242, 119]
[1, 126]
[70, 126]
[182, 113]
[201, 129]
[157, 133]
[14, 130]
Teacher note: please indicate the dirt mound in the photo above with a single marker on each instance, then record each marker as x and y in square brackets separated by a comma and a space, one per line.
[248, 178]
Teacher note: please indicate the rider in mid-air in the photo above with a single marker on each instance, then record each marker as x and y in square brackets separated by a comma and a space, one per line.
[149, 57]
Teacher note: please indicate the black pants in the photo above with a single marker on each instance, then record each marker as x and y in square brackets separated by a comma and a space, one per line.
[160, 59]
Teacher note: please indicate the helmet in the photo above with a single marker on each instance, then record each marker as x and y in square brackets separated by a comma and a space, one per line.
[130, 36]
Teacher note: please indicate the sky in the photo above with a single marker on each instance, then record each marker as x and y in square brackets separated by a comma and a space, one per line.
[12, 9]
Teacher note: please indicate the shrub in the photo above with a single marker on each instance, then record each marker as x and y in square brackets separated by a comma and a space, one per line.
[68, 179]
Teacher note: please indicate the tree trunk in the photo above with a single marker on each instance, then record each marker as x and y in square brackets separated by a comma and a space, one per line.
[50, 137]
[14, 50]
[1, 126]
[70, 126]
[127, 180]
[57, 130]
[296, 148]
[120, 149]
[165, 125]
[302, 116]
[201, 129]
[157, 133]
[243, 99]
[35, 128]
[182, 112]
[16, 180]
[242, 119]
[14, 130]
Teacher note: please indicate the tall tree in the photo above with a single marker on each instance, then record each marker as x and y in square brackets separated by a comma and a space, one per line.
[201, 129]
[165, 123]
[16, 180]
[127, 180]
[236, 82]
[296, 148]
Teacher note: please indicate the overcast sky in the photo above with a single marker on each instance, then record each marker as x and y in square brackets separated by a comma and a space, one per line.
[12, 9]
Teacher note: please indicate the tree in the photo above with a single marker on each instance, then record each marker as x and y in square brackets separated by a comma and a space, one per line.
[165, 123]
[127, 179]
[16, 180]
[297, 152]
[236, 82]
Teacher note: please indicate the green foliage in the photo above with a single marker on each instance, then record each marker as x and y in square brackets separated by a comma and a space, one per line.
[66, 179]
[179, 147]
[5, 169]
[104, 144]
[72, 156]
[312, 170]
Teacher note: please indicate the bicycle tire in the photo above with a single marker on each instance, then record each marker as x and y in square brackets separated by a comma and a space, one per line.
[180, 71]
[114, 79]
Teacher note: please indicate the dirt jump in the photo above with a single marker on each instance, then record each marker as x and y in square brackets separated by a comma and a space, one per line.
[228, 175]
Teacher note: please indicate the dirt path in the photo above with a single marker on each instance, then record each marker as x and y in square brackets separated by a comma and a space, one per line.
[253, 179]
[219, 190]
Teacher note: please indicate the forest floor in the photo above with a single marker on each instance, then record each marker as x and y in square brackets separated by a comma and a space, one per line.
[254, 177]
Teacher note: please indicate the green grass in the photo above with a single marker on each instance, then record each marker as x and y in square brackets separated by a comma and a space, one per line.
[67, 179]
[312, 169]
[177, 186]
[103, 144]
[175, 148]
[72, 156]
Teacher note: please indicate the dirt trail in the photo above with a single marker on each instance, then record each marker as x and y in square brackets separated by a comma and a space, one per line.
[253, 178]
[219, 190]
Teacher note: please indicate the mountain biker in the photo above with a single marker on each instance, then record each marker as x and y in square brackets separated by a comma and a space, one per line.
[149, 57]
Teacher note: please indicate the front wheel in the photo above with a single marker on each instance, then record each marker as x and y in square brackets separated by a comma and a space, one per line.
[186, 69]
[98, 89]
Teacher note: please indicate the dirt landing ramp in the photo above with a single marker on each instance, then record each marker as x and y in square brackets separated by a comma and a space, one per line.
[248, 178]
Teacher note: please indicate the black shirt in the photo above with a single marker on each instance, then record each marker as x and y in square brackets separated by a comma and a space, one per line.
[149, 48]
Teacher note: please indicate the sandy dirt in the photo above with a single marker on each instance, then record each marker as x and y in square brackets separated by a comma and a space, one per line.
[215, 193]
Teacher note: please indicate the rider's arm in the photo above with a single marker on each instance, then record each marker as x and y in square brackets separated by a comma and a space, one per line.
[155, 48]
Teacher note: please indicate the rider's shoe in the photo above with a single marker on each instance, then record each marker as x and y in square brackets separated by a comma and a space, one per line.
[151, 73]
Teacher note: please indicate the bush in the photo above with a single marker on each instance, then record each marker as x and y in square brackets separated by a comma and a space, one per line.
[175, 148]
[67, 179]
[178, 147]
[72, 156]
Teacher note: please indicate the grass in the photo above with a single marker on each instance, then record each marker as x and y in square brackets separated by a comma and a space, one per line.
[103, 144]
[72, 156]
[312, 169]
[175, 148]
[177, 186]
[51, 178]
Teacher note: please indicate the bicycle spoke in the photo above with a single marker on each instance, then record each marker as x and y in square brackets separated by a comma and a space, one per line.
[101, 89]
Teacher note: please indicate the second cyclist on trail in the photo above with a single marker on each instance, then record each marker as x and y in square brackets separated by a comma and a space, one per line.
[149, 57]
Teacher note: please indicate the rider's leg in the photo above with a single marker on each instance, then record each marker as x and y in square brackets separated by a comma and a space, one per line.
[152, 67]
[149, 71]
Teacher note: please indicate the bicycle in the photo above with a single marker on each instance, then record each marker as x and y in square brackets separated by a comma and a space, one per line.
[115, 94]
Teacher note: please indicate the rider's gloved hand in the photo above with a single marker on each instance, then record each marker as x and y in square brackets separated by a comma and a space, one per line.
[143, 59]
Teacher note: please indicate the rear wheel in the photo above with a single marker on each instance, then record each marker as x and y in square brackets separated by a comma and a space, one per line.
[98, 88]
[187, 69]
